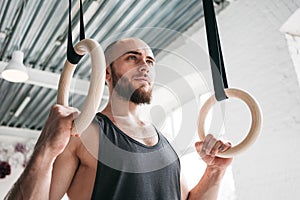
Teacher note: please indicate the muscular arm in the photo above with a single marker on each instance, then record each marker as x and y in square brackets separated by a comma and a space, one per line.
[35, 178]
[34, 183]
[208, 186]
[44, 174]
[64, 169]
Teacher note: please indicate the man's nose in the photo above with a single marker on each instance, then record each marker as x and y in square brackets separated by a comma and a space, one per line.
[144, 67]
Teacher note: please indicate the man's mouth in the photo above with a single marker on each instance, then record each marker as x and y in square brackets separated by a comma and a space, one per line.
[143, 79]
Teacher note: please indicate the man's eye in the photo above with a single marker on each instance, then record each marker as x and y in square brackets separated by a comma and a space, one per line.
[132, 58]
[150, 62]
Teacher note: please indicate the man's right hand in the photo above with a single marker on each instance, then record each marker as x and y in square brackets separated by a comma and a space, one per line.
[57, 130]
[53, 140]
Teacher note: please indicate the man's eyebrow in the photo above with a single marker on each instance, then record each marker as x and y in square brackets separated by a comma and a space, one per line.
[133, 52]
[138, 53]
[149, 57]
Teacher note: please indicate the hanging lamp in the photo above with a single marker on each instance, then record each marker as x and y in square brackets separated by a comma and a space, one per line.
[15, 71]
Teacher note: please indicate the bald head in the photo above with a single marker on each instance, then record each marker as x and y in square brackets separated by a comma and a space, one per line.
[120, 47]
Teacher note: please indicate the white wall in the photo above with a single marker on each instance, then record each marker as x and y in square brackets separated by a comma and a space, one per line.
[257, 60]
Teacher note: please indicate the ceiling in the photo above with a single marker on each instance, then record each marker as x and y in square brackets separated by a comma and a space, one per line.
[39, 29]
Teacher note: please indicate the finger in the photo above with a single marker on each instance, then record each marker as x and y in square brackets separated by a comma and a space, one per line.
[75, 114]
[224, 147]
[210, 145]
[64, 109]
[206, 142]
[68, 110]
[199, 149]
[67, 121]
[198, 146]
[74, 134]
[60, 111]
[218, 145]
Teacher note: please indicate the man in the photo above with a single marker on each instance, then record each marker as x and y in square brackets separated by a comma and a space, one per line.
[119, 156]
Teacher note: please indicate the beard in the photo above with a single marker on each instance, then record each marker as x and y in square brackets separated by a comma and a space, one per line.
[125, 89]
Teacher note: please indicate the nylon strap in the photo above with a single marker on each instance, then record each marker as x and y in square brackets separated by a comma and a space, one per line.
[72, 56]
[215, 52]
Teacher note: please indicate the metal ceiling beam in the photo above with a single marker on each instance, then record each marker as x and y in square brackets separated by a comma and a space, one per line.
[41, 31]
[5, 13]
[56, 51]
[15, 23]
[50, 80]
[30, 23]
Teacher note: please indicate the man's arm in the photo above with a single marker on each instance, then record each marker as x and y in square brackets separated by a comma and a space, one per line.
[34, 183]
[208, 186]
[35, 178]
[64, 169]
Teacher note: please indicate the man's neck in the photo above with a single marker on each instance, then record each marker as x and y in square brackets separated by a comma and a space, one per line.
[124, 115]
[118, 106]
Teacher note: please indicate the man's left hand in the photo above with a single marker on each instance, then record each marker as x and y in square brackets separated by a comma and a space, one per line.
[208, 150]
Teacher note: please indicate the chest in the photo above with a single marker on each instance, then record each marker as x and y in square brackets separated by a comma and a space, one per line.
[145, 135]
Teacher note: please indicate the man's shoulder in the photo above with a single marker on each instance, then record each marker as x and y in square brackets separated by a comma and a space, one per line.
[88, 143]
[168, 136]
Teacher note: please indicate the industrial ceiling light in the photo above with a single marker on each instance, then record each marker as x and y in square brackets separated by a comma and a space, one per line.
[16, 71]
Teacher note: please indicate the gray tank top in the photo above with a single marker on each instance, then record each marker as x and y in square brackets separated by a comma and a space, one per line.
[130, 170]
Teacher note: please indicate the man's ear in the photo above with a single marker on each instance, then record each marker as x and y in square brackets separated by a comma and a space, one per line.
[108, 73]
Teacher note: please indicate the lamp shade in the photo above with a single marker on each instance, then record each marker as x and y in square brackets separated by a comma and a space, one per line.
[15, 71]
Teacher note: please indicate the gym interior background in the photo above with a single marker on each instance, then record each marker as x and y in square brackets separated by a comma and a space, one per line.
[261, 48]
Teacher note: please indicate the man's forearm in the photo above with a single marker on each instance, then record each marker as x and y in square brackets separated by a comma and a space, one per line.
[34, 183]
[208, 186]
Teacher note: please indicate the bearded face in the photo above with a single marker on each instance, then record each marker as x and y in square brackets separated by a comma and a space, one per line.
[126, 89]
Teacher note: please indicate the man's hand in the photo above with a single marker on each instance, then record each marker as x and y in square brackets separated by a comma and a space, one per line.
[57, 130]
[209, 148]
[209, 184]
[34, 183]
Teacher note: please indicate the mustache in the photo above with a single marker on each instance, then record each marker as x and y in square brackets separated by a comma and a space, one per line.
[143, 77]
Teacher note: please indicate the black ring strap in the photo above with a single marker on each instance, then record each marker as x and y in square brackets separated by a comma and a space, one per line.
[215, 52]
[72, 56]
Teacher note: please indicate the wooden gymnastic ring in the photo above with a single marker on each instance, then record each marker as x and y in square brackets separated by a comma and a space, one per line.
[255, 126]
[96, 88]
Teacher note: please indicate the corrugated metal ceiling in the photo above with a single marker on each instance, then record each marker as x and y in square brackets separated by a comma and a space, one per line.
[39, 29]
